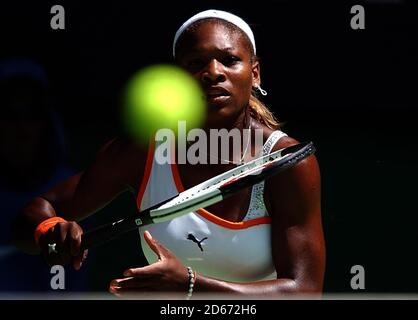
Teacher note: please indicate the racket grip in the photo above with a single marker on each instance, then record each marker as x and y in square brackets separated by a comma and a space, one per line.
[97, 237]
[107, 232]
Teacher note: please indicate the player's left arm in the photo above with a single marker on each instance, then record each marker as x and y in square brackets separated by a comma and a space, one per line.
[293, 198]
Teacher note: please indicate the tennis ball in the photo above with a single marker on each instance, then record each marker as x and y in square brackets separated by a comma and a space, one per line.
[158, 97]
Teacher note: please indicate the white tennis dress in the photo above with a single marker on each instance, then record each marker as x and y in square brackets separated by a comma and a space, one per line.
[214, 247]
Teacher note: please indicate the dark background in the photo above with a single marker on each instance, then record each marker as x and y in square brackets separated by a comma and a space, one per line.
[353, 92]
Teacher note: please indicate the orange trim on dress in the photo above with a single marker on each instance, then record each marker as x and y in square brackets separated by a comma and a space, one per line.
[232, 225]
[147, 173]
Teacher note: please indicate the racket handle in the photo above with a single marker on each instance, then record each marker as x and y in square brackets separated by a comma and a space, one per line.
[107, 232]
[110, 231]
[97, 236]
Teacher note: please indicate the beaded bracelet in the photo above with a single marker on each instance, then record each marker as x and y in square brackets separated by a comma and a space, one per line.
[192, 280]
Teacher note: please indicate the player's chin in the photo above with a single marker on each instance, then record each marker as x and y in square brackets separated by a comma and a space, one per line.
[220, 114]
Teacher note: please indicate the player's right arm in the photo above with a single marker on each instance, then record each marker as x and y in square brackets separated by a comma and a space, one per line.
[117, 168]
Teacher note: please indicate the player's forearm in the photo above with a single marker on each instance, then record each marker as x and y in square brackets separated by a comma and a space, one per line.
[54, 202]
[269, 288]
[36, 211]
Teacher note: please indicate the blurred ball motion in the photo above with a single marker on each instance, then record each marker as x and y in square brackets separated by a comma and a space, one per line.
[158, 97]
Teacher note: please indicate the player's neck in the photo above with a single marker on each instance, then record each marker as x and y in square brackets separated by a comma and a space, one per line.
[240, 121]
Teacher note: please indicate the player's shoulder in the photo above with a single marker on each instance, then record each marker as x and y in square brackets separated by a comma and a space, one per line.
[120, 147]
[123, 159]
[308, 166]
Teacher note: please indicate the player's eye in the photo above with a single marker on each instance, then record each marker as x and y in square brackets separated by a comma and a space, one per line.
[230, 60]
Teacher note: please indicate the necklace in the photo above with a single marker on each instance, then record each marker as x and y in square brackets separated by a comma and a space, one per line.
[243, 154]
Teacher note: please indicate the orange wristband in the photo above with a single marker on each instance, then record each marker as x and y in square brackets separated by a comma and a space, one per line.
[45, 225]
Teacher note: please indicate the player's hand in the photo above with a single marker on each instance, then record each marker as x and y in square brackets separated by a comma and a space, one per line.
[62, 245]
[168, 274]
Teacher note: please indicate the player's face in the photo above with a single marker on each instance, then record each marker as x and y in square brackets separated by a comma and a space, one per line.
[222, 62]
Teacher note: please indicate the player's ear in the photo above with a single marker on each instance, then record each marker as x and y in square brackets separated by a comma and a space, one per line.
[255, 70]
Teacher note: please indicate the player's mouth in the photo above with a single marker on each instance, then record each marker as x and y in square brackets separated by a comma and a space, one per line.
[217, 95]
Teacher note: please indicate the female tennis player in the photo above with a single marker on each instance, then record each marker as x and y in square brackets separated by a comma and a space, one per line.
[266, 240]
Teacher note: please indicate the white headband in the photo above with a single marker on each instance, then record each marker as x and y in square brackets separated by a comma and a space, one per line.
[223, 15]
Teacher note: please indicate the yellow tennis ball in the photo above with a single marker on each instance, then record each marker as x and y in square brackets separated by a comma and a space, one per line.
[160, 96]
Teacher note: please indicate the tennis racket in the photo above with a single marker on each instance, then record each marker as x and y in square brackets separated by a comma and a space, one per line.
[204, 194]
